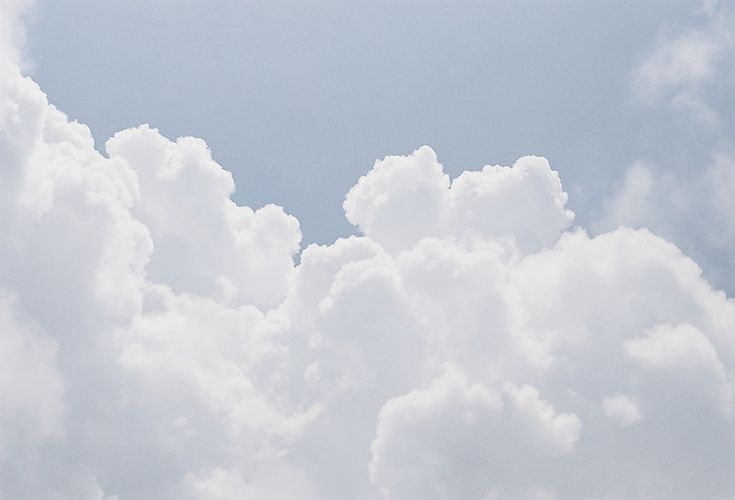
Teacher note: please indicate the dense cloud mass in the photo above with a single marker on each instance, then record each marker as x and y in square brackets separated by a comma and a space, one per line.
[159, 341]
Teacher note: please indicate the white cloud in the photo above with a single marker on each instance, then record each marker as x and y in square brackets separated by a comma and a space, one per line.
[158, 340]
[31, 389]
[460, 440]
[229, 485]
[241, 255]
[622, 408]
[405, 198]
[685, 66]
[12, 29]
[694, 209]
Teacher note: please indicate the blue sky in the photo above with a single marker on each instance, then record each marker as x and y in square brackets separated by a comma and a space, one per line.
[298, 99]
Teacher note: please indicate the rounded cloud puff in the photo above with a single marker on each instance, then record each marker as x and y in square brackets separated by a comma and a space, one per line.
[405, 198]
[456, 440]
[203, 242]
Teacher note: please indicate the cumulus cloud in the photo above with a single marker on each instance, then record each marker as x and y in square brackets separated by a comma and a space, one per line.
[241, 255]
[454, 439]
[159, 341]
[405, 198]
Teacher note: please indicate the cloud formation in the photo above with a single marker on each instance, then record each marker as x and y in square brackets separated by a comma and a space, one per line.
[158, 341]
[684, 68]
[406, 198]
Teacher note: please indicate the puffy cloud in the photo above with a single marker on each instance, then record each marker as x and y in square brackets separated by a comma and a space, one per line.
[158, 340]
[204, 243]
[89, 257]
[687, 351]
[460, 440]
[405, 198]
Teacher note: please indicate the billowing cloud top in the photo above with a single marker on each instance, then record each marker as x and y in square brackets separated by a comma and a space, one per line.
[404, 199]
[158, 341]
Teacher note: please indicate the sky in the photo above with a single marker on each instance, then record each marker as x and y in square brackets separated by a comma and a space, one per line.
[369, 250]
[287, 92]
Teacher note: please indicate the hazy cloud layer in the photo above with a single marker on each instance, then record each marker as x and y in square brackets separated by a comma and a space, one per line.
[687, 78]
[689, 67]
[158, 341]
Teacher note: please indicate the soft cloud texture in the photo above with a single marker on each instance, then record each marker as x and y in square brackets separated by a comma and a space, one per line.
[406, 198]
[688, 67]
[159, 341]
[686, 83]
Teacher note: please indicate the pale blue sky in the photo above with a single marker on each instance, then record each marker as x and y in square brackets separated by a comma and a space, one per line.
[299, 98]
